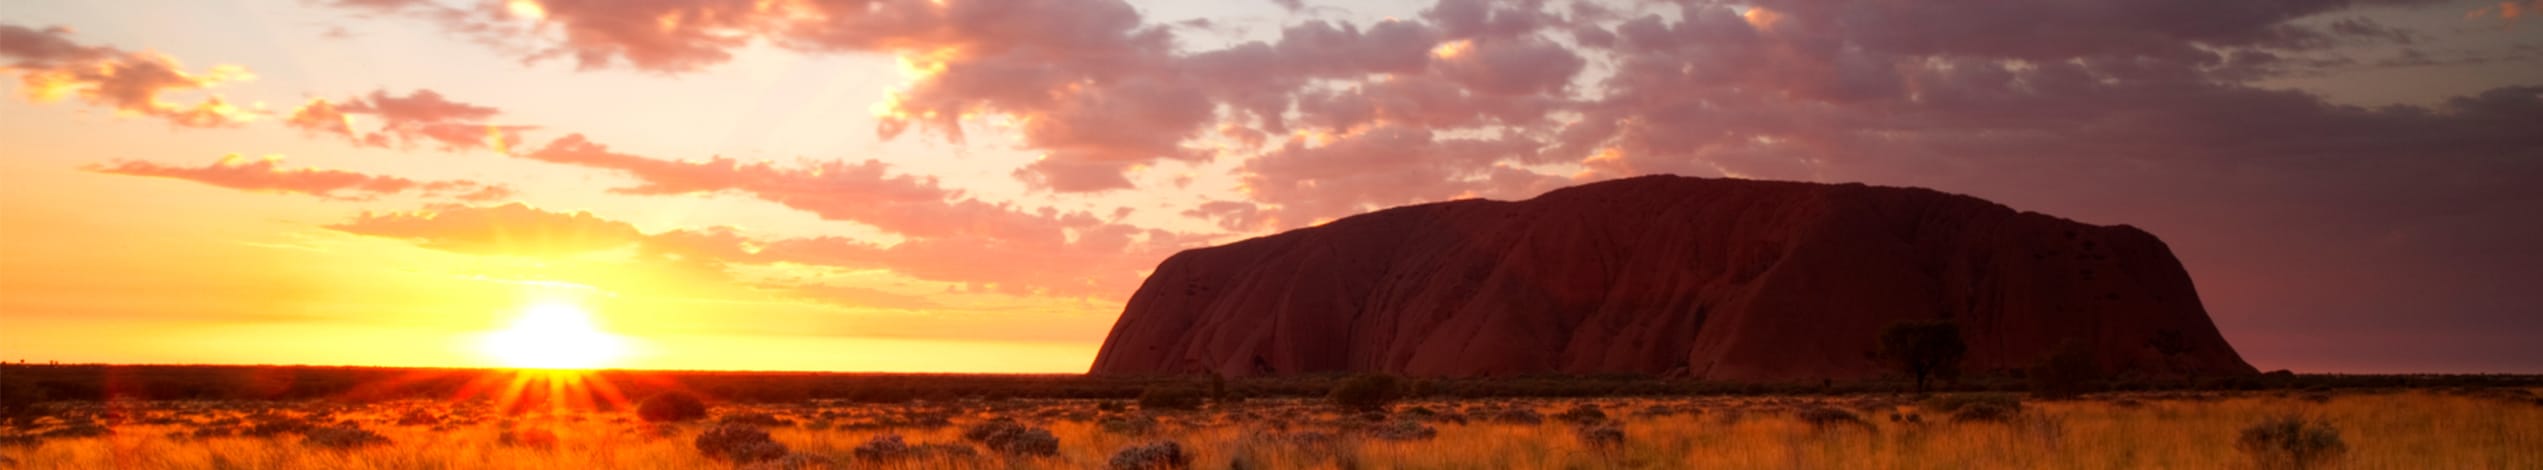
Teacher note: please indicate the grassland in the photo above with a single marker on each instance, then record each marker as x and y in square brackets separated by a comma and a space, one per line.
[2389, 428]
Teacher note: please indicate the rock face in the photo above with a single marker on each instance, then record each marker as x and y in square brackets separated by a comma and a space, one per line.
[1706, 278]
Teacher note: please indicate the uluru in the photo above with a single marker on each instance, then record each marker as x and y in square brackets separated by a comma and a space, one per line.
[1701, 278]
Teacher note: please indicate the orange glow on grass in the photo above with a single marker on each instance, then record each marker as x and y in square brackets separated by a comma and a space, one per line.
[554, 335]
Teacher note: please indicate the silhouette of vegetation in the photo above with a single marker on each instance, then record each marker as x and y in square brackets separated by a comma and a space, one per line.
[1366, 392]
[671, 407]
[1170, 397]
[2067, 371]
[2291, 442]
[1924, 349]
[26, 386]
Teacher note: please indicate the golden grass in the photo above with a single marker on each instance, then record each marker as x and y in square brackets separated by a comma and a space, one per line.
[2408, 430]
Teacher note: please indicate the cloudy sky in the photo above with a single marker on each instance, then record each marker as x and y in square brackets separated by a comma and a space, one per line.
[977, 185]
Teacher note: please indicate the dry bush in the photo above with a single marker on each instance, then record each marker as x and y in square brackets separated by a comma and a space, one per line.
[1404, 430]
[1171, 398]
[1825, 417]
[671, 407]
[739, 443]
[2291, 442]
[1366, 392]
[342, 437]
[1009, 438]
[1159, 455]
[1585, 413]
[1600, 436]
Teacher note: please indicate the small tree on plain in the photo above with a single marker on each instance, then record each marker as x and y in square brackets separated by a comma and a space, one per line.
[1924, 349]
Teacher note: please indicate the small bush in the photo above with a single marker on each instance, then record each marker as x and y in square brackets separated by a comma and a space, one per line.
[1985, 412]
[1952, 403]
[981, 431]
[1600, 436]
[1013, 439]
[1406, 430]
[2291, 442]
[534, 437]
[2067, 371]
[342, 437]
[1517, 416]
[1584, 413]
[1160, 455]
[1170, 398]
[739, 443]
[882, 448]
[1825, 417]
[1365, 392]
[671, 407]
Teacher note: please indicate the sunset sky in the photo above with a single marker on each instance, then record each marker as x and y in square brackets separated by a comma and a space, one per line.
[978, 185]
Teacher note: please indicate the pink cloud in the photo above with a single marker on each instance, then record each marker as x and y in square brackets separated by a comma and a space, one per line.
[512, 229]
[268, 175]
[948, 236]
[51, 67]
[420, 116]
[2147, 112]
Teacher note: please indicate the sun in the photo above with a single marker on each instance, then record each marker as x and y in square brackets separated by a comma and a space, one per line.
[554, 336]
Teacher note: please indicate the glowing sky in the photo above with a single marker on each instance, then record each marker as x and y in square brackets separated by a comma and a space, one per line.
[977, 185]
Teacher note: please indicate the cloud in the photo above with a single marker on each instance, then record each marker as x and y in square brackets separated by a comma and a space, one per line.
[2157, 113]
[267, 175]
[947, 235]
[51, 67]
[420, 116]
[509, 229]
[2506, 11]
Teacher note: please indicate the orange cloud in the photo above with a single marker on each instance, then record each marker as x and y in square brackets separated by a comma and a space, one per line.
[51, 67]
[512, 229]
[2506, 11]
[420, 116]
[267, 175]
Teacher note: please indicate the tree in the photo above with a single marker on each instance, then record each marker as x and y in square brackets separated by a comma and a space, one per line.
[1924, 349]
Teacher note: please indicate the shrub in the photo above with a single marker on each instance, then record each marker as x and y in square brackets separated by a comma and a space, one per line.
[881, 448]
[1924, 349]
[1160, 455]
[1584, 413]
[1985, 412]
[1365, 392]
[2067, 371]
[1406, 430]
[1520, 415]
[764, 420]
[1601, 436]
[1948, 404]
[1825, 417]
[1170, 398]
[342, 437]
[739, 443]
[981, 431]
[1013, 439]
[2291, 442]
[528, 437]
[671, 407]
